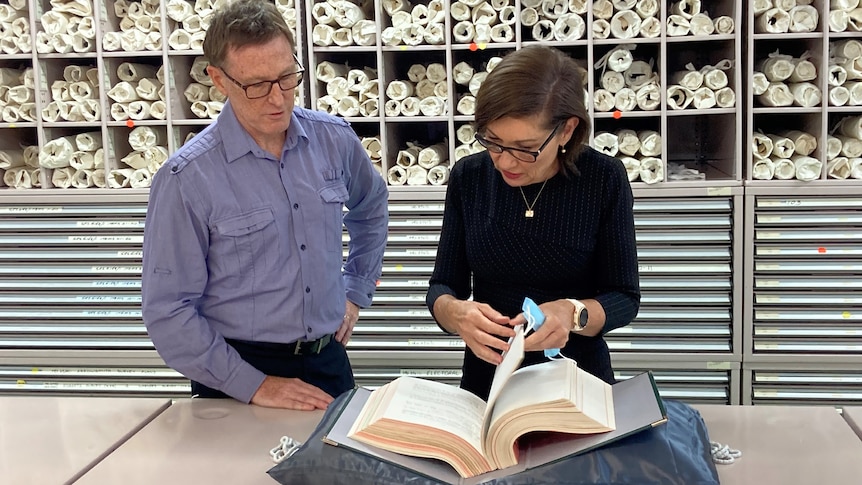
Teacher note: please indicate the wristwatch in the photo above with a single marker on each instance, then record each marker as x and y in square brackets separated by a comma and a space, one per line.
[579, 317]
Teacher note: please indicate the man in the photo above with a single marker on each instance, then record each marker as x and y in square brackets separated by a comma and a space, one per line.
[245, 290]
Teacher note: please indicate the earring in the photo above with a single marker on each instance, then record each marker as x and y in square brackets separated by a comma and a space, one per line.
[562, 149]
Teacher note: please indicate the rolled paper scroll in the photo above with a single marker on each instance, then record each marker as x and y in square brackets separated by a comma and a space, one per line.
[408, 156]
[465, 133]
[625, 24]
[803, 18]
[371, 90]
[612, 81]
[391, 107]
[342, 37]
[89, 141]
[782, 147]
[601, 28]
[119, 178]
[369, 107]
[838, 20]
[603, 100]
[648, 96]
[436, 72]
[646, 8]
[120, 111]
[348, 106]
[679, 97]
[838, 168]
[143, 137]
[704, 98]
[399, 90]
[807, 168]
[82, 160]
[833, 147]
[628, 142]
[178, 10]
[607, 143]
[441, 90]
[18, 177]
[701, 24]
[19, 94]
[690, 78]
[433, 155]
[685, 8]
[803, 143]
[603, 9]
[633, 167]
[410, 106]
[759, 83]
[464, 31]
[82, 90]
[327, 71]
[763, 169]
[650, 143]
[466, 106]
[417, 175]
[639, 74]
[553, 10]
[462, 73]
[432, 106]
[626, 99]
[777, 94]
[786, 5]
[846, 48]
[11, 158]
[651, 170]
[148, 89]
[372, 147]
[776, 67]
[543, 30]
[784, 169]
[619, 59]
[483, 13]
[508, 15]
[438, 175]
[725, 98]
[850, 147]
[761, 146]
[396, 175]
[803, 70]
[856, 168]
[772, 21]
[434, 34]
[198, 71]
[132, 71]
[724, 25]
[677, 26]
[805, 94]
[476, 81]
[855, 90]
[714, 77]
[62, 177]
[392, 6]
[339, 88]
[436, 12]
[463, 150]
[123, 92]
[562, 31]
[57, 152]
[650, 28]
[460, 11]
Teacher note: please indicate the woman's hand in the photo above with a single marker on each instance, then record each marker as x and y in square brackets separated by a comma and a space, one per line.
[554, 332]
[479, 325]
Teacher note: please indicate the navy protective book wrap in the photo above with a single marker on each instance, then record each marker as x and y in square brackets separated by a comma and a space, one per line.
[676, 452]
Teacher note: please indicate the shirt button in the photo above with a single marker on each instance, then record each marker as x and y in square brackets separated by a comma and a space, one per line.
[282, 165]
[307, 289]
[309, 329]
[296, 206]
[302, 247]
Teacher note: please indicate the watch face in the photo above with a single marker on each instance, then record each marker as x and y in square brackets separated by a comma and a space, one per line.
[583, 318]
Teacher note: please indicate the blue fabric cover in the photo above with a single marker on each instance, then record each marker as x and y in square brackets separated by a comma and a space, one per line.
[676, 452]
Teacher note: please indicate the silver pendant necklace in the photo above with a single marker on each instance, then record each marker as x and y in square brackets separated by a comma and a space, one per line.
[529, 212]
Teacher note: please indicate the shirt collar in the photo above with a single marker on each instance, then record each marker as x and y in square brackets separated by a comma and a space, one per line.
[237, 141]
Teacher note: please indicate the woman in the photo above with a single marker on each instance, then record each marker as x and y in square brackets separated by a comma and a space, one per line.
[538, 214]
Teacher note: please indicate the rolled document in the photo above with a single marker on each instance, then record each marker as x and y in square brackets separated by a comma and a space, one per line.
[650, 143]
[57, 153]
[613, 81]
[837, 75]
[438, 175]
[724, 25]
[805, 94]
[369, 107]
[704, 98]
[148, 89]
[714, 76]
[838, 168]
[759, 83]
[432, 106]
[83, 178]
[327, 71]
[625, 24]
[466, 106]
[856, 168]
[417, 175]
[364, 33]
[399, 90]
[433, 155]
[392, 107]
[339, 88]
[607, 143]
[627, 142]
[123, 92]
[776, 67]
[777, 94]
[434, 34]
[131, 71]
[763, 169]
[701, 24]
[803, 70]
[465, 133]
[198, 72]
[18, 178]
[436, 72]
[761, 146]
[343, 37]
[633, 167]
[89, 142]
[140, 178]
[143, 137]
[784, 169]
[82, 160]
[651, 170]
[803, 18]
[408, 156]
[648, 96]
[396, 175]
[725, 98]
[679, 97]
[566, 31]
[416, 73]
[846, 48]
[62, 177]
[626, 99]
[639, 74]
[603, 100]
[650, 28]
[855, 90]
[476, 82]
[833, 147]
[782, 147]
[803, 143]
[773, 21]
[321, 34]
[601, 28]
[646, 8]
[119, 178]
[603, 9]
[11, 158]
[462, 73]
[838, 20]
[372, 147]
[619, 59]
[851, 126]
[677, 26]
[850, 147]
[807, 168]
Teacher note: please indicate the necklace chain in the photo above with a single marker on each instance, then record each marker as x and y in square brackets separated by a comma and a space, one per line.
[529, 212]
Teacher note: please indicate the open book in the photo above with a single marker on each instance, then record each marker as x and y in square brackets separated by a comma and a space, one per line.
[430, 419]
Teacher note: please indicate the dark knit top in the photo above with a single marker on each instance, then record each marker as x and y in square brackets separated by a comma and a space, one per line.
[580, 243]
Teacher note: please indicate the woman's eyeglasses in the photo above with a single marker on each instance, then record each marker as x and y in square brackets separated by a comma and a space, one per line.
[528, 156]
[263, 88]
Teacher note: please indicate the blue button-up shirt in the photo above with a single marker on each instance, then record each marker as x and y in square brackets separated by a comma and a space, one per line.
[242, 245]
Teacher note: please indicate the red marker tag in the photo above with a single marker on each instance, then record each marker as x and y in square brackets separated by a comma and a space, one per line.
[130, 123]
[618, 114]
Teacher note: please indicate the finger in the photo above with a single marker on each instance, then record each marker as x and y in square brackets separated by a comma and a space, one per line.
[342, 331]
[492, 314]
[519, 320]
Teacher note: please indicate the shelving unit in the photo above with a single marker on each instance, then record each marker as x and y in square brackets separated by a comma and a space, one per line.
[723, 298]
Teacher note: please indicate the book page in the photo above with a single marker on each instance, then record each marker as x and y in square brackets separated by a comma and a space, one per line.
[594, 397]
[536, 384]
[511, 360]
[438, 405]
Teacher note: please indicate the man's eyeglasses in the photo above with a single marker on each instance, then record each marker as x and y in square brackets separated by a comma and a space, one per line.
[263, 88]
[528, 156]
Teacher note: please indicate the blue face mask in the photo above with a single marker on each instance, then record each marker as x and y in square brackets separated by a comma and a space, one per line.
[535, 319]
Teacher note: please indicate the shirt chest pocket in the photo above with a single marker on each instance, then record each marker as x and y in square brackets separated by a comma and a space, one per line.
[333, 197]
[245, 245]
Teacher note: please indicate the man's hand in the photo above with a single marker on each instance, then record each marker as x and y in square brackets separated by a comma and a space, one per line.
[479, 325]
[285, 393]
[351, 316]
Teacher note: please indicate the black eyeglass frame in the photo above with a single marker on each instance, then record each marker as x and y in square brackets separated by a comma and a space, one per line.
[516, 152]
[245, 87]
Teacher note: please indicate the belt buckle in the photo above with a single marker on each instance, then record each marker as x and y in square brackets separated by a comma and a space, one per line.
[297, 350]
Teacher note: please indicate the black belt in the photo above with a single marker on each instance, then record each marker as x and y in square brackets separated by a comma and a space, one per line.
[309, 347]
[303, 347]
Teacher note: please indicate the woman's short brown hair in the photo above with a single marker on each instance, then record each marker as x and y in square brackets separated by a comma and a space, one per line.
[241, 23]
[537, 80]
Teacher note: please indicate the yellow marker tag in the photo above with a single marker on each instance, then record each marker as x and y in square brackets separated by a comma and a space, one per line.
[483, 45]
[21, 382]
[11, 125]
[403, 47]
[34, 370]
[399, 267]
[847, 315]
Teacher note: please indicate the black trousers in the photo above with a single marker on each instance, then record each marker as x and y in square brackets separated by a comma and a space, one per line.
[329, 370]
